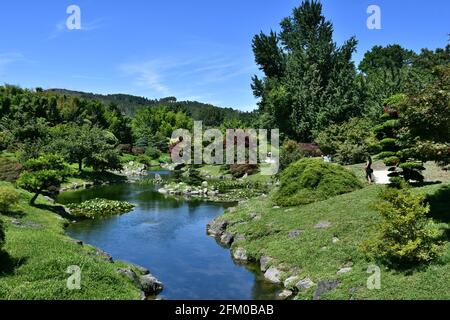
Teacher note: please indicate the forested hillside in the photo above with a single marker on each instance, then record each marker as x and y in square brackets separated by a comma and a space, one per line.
[129, 104]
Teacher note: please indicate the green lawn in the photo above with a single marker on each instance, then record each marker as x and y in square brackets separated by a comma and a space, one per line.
[37, 254]
[314, 255]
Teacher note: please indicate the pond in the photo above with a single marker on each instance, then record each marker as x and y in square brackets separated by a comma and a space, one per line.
[168, 236]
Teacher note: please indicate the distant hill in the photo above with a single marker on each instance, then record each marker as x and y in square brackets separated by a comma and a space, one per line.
[211, 115]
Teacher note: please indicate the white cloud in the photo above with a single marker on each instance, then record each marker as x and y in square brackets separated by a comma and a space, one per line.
[184, 78]
[61, 28]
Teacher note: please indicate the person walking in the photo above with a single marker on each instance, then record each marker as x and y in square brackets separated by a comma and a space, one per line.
[369, 170]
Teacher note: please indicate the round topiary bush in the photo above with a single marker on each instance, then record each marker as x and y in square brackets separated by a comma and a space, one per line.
[310, 180]
[8, 198]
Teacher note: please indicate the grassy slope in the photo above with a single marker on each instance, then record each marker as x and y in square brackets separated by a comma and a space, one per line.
[315, 256]
[38, 256]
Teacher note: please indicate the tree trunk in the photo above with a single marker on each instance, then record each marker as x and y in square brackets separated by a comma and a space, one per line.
[80, 165]
[33, 200]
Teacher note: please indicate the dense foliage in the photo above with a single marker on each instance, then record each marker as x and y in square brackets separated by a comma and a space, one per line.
[406, 236]
[98, 208]
[309, 81]
[350, 142]
[42, 174]
[310, 180]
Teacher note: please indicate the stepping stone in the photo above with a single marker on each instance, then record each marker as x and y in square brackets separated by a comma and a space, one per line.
[322, 225]
[295, 233]
[344, 270]
[324, 286]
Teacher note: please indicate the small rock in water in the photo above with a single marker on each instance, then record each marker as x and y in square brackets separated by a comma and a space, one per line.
[322, 225]
[273, 275]
[226, 238]
[240, 254]
[285, 294]
[264, 262]
[150, 285]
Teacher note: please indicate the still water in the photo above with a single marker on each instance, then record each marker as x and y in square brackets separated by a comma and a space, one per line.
[168, 236]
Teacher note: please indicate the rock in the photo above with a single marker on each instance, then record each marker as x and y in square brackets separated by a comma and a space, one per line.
[239, 237]
[141, 269]
[76, 241]
[240, 254]
[295, 233]
[26, 224]
[276, 207]
[273, 275]
[49, 199]
[103, 255]
[344, 270]
[162, 190]
[150, 285]
[335, 240]
[130, 274]
[205, 184]
[291, 281]
[147, 283]
[226, 239]
[322, 225]
[285, 294]
[304, 284]
[217, 227]
[264, 263]
[324, 286]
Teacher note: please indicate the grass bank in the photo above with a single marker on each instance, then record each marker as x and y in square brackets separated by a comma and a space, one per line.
[291, 237]
[37, 253]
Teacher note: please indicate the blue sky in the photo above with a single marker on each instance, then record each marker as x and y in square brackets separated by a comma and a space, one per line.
[196, 49]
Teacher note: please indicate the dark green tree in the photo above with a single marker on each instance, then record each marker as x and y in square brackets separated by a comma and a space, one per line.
[309, 81]
[43, 173]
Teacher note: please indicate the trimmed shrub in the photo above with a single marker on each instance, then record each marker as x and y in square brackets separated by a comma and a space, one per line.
[406, 236]
[8, 198]
[310, 180]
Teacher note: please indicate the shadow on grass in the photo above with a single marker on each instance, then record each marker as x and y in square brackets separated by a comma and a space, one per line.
[440, 204]
[425, 183]
[8, 264]
[59, 210]
[100, 177]
[17, 214]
